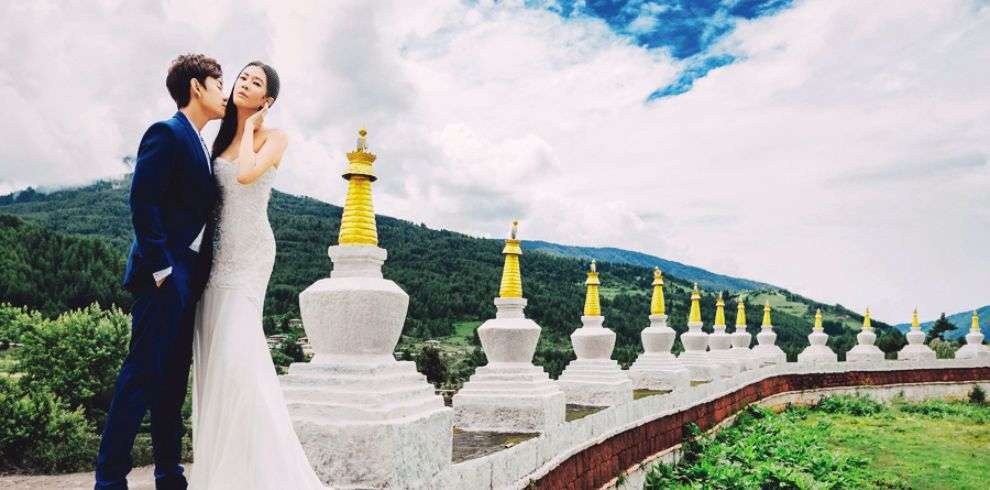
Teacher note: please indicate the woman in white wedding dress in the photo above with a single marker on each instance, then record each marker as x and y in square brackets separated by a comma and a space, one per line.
[242, 435]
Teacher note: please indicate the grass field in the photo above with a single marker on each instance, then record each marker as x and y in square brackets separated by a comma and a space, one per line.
[845, 442]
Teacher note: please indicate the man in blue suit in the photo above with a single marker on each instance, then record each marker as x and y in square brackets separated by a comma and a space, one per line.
[172, 198]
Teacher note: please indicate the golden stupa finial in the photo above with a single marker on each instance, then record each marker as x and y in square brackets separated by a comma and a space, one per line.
[695, 314]
[741, 313]
[511, 286]
[867, 323]
[592, 305]
[357, 225]
[818, 320]
[658, 305]
[915, 322]
[974, 324]
[767, 323]
[720, 312]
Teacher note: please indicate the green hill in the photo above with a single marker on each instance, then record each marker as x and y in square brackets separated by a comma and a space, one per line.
[705, 279]
[452, 278]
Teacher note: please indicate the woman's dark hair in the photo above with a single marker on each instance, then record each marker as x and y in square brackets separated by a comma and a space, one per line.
[229, 124]
[185, 68]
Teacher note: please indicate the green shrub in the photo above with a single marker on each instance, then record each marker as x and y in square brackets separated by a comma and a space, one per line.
[941, 409]
[14, 322]
[76, 357]
[944, 349]
[850, 405]
[38, 432]
[977, 395]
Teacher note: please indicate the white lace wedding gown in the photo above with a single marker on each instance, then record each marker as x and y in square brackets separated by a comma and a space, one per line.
[242, 435]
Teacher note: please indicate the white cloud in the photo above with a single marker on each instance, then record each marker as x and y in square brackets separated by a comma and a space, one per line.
[839, 157]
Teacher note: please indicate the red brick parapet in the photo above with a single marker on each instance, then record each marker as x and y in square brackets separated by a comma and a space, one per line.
[596, 465]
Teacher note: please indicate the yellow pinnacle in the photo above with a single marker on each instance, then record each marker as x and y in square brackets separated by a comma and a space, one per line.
[915, 323]
[720, 312]
[818, 320]
[657, 304]
[592, 307]
[695, 314]
[357, 226]
[975, 323]
[766, 315]
[741, 314]
[511, 277]
[867, 324]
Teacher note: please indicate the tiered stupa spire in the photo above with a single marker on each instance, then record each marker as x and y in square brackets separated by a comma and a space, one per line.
[974, 324]
[695, 314]
[741, 314]
[867, 323]
[915, 322]
[511, 286]
[592, 305]
[357, 226]
[767, 323]
[657, 304]
[818, 321]
[720, 312]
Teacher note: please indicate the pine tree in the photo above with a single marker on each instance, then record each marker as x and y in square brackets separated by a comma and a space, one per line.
[938, 330]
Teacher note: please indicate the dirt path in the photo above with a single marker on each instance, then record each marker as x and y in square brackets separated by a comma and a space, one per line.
[141, 478]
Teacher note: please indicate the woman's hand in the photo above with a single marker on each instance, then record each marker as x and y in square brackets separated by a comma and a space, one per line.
[258, 118]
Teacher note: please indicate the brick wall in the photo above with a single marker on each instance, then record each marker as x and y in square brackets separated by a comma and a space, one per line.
[597, 465]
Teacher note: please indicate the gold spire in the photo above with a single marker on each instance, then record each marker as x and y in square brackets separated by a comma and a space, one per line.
[915, 323]
[766, 315]
[741, 314]
[818, 320]
[975, 322]
[357, 226]
[720, 312]
[511, 276]
[867, 324]
[657, 304]
[695, 315]
[592, 307]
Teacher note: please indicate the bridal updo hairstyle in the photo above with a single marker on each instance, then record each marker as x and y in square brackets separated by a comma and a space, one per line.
[229, 124]
[189, 66]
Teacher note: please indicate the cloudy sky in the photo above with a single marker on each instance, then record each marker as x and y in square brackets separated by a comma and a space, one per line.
[835, 147]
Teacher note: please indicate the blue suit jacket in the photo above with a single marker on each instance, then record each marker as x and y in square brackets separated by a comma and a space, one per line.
[172, 197]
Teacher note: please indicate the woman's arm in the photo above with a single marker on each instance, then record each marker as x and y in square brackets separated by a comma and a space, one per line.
[251, 165]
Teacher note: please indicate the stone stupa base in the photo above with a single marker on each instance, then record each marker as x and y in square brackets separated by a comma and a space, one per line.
[768, 355]
[729, 364]
[973, 351]
[658, 371]
[865, 353]
[368, 424]
[916, 352]
[595, 382]
[509, 398]
[817, 353]
[700, 367]
[745, 357]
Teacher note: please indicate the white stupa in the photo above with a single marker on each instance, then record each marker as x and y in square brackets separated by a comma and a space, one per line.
[695, 341]
[657, 368]
[741, 339]
[974, 347]
[817, 351]
[916, 350]
[364, 419]
[594, 378]
[865, 351]
[720, 344]
[509, 394]
[767, 352]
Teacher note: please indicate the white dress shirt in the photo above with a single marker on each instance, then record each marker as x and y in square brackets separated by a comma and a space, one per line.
[197, 242]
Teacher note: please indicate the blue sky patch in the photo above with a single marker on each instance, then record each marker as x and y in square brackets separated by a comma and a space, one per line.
[687, 29]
